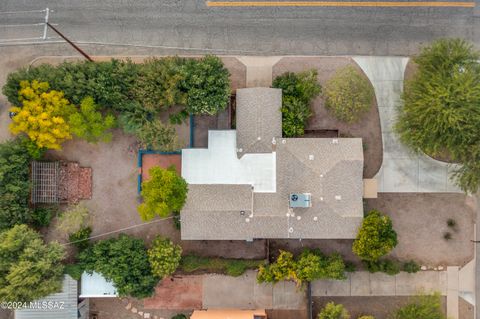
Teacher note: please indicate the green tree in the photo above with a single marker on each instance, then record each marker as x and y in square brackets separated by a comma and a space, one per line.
[333, 311]
[14, 183]
[164, 256]
[124, 261]
[366, 317]
[89, 123]
[158, 136]
[375, 238]
[207, 85]
[164, 193]
[348, 94]
[298, 91]
[440, 113]
[421, 307]
[29, 268]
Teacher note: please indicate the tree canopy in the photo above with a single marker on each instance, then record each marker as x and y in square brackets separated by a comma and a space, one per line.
[164, 193]
[29, 268]
[164, 257]
[423, 306]
[376, 237]
[333, 311]
[441, 107]
[124, 261]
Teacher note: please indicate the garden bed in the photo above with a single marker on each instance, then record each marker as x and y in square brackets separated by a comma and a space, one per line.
[368, 128]
[378, 306]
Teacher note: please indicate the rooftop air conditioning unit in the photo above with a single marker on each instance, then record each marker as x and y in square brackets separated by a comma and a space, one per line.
[300, 200]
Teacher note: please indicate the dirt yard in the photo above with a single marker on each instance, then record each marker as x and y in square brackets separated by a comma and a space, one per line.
[379, 307]
[421, 221]
[368, 128]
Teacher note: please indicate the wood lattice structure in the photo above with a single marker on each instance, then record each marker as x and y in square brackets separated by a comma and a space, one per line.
[45, 177]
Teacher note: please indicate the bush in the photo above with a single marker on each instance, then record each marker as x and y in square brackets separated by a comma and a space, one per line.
[164, 193]
[80, 238]
[390, 267]
[366, 317]
[348, 95]
[179, 316]
[333, 311]
[73, 270]
[41, 216]
[155, 135]
[298, 91]
[421, 307]
[375, 238]
[231, 267]
[349, 266]
[411, 267]
[73, 219]
[207, 85]
[124, 261]
[14, 183]
[164, 257]
[440, 113]
[310, 265]
[29, 268]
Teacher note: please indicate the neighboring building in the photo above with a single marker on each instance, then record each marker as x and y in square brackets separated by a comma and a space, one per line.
[228, 314]
[62, 305]
[252, 183]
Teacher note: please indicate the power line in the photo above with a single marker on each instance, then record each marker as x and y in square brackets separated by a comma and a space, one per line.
[119, 230]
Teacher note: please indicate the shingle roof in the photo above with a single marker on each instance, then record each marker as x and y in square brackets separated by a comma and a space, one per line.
[258, 119]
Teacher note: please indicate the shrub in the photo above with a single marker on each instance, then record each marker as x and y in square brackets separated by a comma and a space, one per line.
[333, 311]
[298, 91]
[163, 193]
[348, 95]
[375, 238]
[14, 183]
[349, 266]
[421, 307]
[311, 265]
[231, 267]
[390, 267]
[440, 113]
[73, 219]
[42, 115]
[447, 235]
[80, 238]
[159, 83]
[207, 84]
[158, 136]
[411, 267]
[179, 316]
[451, 223]
[124, 261]
[164, 257]
[73, 270]
[29, 268]
[366, 317]
[89, 124]
[41, 216]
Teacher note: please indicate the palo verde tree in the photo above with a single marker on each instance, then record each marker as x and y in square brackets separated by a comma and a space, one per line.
[164, 193]
[376, 237]
[440, 113]
[29, 268]
[164, 257]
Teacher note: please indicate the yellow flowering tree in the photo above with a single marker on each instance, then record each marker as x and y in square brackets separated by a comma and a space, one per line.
[42, 115]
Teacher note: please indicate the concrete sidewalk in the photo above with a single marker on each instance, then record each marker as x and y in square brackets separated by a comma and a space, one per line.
[401, 170]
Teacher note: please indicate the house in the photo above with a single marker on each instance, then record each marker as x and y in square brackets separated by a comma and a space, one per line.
[228, 314]
[252, 183]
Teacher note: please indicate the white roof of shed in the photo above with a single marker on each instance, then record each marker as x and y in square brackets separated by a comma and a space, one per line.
[95, 285]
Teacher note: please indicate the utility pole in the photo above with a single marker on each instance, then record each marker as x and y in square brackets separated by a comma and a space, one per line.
[47, 24]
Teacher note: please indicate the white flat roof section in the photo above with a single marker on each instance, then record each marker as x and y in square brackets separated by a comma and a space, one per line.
[96, 286]
[219, 164]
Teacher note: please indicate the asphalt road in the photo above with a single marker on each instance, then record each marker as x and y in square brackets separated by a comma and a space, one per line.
[266, 31]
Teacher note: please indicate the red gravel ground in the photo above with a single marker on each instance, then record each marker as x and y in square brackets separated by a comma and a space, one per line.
[162, 160]
[177, 293]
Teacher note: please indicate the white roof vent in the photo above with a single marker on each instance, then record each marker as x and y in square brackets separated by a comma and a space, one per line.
[240, 150]
[247, 220]
[274, 141]
[335, 141]
[338, 197]
[315, 218]
[299, 217]
[290, 230]
[259, 138]
[284, 141]
[311, 157]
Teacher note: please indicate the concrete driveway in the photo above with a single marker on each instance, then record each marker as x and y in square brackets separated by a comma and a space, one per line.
[401, 170]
